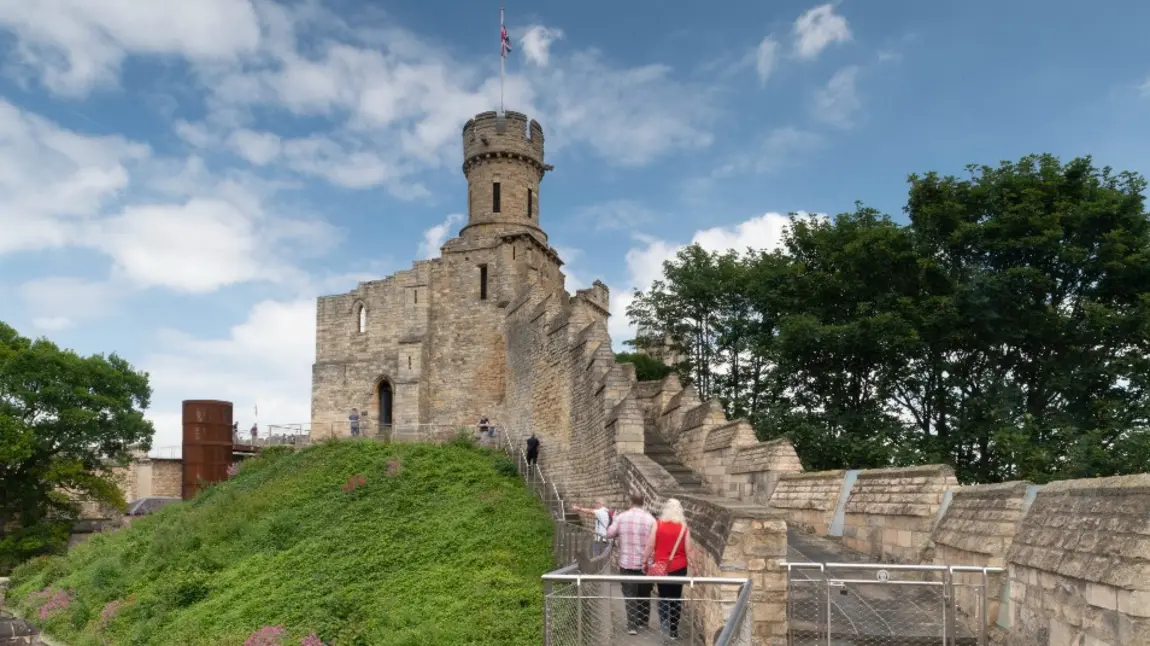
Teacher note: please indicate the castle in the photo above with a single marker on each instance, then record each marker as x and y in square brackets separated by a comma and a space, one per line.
[425, 348]
[487, 329]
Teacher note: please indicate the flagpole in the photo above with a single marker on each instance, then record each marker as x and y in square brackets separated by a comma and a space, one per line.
[502, 61]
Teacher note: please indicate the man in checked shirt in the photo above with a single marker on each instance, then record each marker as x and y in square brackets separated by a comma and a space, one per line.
[630, 531]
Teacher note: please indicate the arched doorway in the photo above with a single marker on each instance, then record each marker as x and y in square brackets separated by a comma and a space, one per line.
[385, 404]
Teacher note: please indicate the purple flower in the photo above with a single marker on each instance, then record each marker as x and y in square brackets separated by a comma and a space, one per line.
[266, 636]
[311, 640]
[59, 601]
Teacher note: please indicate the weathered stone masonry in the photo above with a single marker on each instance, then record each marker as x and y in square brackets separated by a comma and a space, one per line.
[426, 346]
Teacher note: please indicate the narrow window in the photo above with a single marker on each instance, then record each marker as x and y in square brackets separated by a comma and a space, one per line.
[495, 197]
[362, 314]
[530, 204]
[483, 281]
[513, 253]
[409, 362]
[415, 295]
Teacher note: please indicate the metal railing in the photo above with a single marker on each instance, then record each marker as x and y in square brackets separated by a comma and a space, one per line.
[602, 609]
[876, 603]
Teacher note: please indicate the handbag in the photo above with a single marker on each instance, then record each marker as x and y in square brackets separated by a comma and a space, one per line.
[659, 568]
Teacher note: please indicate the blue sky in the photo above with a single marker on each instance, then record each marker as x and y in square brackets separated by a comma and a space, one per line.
[180, 180]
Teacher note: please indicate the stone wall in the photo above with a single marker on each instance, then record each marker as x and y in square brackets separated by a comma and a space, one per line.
[891, 512]
[809, 499]
[978, 529]
[167, 477]
[729, 539]
[1080, 565]
[565, 387]
[755, 470]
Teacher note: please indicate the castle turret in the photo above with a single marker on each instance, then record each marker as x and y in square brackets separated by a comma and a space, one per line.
[503, 163]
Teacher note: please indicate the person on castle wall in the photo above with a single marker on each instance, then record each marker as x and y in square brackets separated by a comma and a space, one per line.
[632, 531]
[603, 516]
[667, 546]
[353, 420]
[485, 427]
[533, 454]
[255, 432]
[235, 432]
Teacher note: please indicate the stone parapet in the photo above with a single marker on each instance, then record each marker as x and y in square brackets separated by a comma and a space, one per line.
[809, 499]
[1080, 564]
[754, 470]
[891, 513]
[977, 528]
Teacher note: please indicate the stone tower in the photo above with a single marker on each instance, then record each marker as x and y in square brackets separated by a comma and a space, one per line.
[425, 349]
[503, 163]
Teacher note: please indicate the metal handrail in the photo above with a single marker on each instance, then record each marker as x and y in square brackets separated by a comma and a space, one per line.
[737, 617]
[895, 567]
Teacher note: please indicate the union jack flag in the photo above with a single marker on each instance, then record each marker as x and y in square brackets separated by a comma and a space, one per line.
[505, 41]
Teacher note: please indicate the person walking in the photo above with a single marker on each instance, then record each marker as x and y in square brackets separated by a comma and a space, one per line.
[667, 546]
[632, 531]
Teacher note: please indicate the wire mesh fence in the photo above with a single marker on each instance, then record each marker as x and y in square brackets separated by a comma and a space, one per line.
[869, 604]
[594, 610]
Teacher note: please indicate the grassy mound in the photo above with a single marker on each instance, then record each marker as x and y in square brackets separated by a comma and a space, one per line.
[433, 545]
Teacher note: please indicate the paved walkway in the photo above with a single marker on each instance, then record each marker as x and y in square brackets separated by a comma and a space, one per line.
[906, 609]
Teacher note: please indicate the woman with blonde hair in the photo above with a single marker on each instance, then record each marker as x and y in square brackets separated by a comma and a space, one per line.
[667, 547]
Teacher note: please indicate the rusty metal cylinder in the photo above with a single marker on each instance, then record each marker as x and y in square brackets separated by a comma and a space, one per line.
[207, 444]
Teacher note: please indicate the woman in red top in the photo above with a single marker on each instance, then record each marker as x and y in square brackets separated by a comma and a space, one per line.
[669, 542]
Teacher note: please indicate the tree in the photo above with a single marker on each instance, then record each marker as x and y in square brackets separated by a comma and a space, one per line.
[65, 421]
[1005, 330]
[647, 368]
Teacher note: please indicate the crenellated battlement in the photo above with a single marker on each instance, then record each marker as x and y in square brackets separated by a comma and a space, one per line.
[489, 136]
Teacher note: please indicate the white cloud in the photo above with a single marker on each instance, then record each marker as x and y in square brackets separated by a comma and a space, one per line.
[259, 148]
[52, 323]
[1144, 89]
[161, 222]
[628, 116]
[645, 264]
[73, 46]
[51, 179]
[838, 101]
[780, 148]
[60, 302]
[766, 55]
[615, 215]
[195, 247]
[264, 361]
[818, 28]
[434, 237]
[536, 43]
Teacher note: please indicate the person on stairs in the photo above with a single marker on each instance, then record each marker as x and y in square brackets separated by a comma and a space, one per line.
[631, 531]
[532, 450]
[603, 516]
[666, 551]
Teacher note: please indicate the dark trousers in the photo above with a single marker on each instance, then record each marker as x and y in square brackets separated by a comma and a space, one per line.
[671, 603]
[637, 601]
[532, 457]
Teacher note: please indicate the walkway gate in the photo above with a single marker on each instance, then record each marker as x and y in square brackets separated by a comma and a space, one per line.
[841, 604]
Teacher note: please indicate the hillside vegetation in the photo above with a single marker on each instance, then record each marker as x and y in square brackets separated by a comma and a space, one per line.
[344, 543]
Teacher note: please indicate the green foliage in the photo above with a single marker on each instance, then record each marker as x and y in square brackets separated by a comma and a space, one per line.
[1002, 330]
[647, 368]
[65, 421]
[444, 550]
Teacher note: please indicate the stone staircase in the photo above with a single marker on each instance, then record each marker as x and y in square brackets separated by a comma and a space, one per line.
[656, 448]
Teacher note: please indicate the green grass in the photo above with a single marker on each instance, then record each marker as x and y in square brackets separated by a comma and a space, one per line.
[448, 550]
